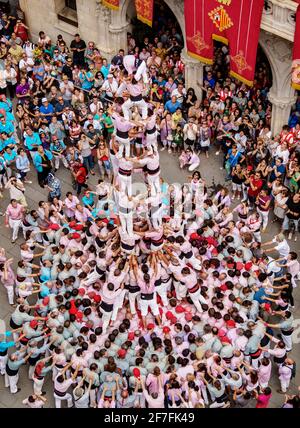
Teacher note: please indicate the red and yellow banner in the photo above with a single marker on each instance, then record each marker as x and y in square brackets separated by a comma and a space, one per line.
[296, 52]
[144, 10]
[233, 22]
[112, 4]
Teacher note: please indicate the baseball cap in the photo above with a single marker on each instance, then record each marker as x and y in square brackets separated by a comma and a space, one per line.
[97, 298]
[188, 316]
[166, 330]
[78, 227]
[54, 226]
[230, 323]
[136, 373]
[44, 100]
[179, 309]
[33, 323]
[121, 353]
[169, 315]
[75, 235]
[131, 336]
[46, 300]
[239, 266]
[150, 326]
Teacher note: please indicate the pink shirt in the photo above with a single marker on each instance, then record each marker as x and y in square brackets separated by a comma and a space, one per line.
[15, 213]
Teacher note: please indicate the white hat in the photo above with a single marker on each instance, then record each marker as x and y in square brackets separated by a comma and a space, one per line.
[109, 76]
[44, 100]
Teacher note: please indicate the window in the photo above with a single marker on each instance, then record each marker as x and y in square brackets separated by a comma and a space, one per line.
[71, 4]
[68, 13]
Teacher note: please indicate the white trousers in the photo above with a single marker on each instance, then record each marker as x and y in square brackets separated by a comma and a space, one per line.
[57, 159]
[284, 384]
[38, 385]
[146, 304]
[58, 400]
[154, 183]
[10, 293]
[180, 290]
[125, 182]
[141, 105]
[12, 383]
[114, 163]
[151, 140]
[106, 317]
[124, 145]
[194, 166]
[264, 216]
[126, 221]
[287, 341]
[195, 299]
[15, 226]
[118, 305]
[132, 299]
[161, 290]
[3, 361]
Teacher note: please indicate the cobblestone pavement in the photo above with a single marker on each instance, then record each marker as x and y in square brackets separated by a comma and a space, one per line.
[210, 168]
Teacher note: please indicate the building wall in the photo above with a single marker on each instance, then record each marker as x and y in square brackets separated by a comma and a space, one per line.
[108, 29]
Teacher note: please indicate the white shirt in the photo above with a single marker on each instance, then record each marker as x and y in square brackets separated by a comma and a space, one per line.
[282, 247]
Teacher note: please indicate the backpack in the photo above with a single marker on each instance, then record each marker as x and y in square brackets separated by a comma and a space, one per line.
[293, 369]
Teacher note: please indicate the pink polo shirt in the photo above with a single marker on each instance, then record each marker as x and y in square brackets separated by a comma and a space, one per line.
[15, 213]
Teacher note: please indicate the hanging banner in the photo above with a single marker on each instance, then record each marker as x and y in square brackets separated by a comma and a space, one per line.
[296, 53]
[199, 30]
[244, 37]
[233, 22]
[144, 11]
[112, 4]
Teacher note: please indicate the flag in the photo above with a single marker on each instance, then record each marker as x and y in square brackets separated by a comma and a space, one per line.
[198, 30]
[144, 11]
[112, 4]
[296, 53]
[244, 37]
[233, 22]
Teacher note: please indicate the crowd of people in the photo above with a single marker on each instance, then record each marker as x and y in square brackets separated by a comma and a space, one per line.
[151, 295]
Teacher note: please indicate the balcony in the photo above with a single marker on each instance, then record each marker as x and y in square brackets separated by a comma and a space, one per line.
[279, 18]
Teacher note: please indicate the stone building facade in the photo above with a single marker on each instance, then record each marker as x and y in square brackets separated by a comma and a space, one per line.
[109, 30]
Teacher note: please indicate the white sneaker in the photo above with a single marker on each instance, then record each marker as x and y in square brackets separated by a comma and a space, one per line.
[217, 153]
[290, 235]
[169, 151]
[162, 149]
[295, 238]
[233, 198]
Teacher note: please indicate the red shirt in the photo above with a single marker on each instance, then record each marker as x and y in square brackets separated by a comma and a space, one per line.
[256, 183]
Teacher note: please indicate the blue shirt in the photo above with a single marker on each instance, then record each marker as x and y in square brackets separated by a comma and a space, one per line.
[30, 141]
[234, 159]
[105, 70]
[260, 295]
[37, 160]
[85, 83]
[172, 107]
[58, 146]
[7, 127]
[47, 110]
[10, 157]
[88, 201]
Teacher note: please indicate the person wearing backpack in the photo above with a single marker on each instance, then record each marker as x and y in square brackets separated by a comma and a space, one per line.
[286, 371]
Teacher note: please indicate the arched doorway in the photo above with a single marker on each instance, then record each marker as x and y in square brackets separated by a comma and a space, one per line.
[164, 21]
